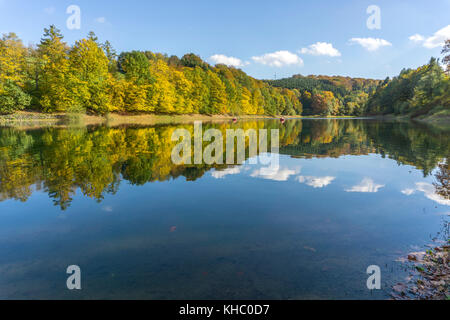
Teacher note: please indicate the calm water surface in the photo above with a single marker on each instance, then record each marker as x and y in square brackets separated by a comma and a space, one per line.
[348, 194]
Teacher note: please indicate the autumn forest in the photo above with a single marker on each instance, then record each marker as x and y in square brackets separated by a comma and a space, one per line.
[91, 77]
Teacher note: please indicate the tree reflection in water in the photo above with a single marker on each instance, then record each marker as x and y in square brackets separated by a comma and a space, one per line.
[443, 176]
[95, 160]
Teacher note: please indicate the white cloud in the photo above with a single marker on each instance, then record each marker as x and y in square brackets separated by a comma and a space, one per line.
[321, 49]
[417, 38]
[430, 192]
[50, 10]
[223, 173]
[229, 61]
[107, 209]
[279, 59]
[101, 20]
[371, 44]
[275, 174]
[316, 182]
[438, 39]
[408, 192]
[366, 186]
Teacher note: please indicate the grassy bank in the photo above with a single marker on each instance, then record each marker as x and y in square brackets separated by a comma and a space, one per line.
[38, 119]
[439, 119]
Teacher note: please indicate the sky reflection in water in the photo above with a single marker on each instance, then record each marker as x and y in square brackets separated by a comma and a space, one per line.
[348, 194]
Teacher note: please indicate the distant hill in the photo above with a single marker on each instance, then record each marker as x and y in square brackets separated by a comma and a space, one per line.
[325, 95]
[340, 86]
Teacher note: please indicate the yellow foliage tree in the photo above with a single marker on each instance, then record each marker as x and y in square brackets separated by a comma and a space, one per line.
[89, 65]
[12, 59]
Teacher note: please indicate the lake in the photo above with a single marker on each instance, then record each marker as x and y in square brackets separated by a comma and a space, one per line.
[347, 194]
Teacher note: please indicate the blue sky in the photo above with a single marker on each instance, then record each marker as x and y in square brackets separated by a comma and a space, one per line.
[263, 37]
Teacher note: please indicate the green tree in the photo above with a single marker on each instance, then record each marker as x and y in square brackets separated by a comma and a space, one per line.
[111, 54]
[12, 98]
[191, 60]
[136, 67]
[446, 60]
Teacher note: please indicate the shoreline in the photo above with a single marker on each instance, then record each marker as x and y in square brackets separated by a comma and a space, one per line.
[31, 119]
[432, 119]
[429, 277]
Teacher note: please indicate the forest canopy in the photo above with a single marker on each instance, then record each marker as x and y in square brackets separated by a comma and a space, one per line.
[415, 92]
[325, 95]
[91, 77]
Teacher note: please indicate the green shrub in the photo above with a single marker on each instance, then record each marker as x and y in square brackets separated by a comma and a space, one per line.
[12, 98]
